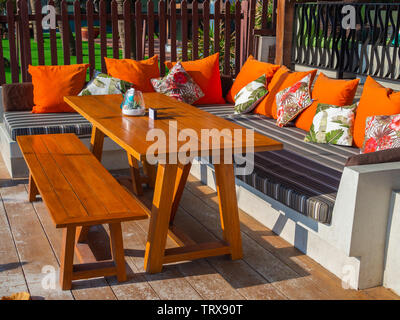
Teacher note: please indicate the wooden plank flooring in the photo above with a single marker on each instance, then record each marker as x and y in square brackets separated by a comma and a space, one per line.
[271, 268]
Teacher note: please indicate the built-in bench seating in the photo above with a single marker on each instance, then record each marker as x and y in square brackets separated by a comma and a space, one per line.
[304, 176]
[20, 123]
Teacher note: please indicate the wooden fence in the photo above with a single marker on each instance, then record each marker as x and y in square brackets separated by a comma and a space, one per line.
[151, 28]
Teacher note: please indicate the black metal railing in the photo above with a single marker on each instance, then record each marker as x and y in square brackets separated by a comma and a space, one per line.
[371, 48]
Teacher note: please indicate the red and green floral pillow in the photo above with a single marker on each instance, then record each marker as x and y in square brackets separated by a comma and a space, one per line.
[381, 133]
[293, 100]
[179, 85]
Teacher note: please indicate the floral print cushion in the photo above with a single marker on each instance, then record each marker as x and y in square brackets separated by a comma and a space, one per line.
[333, 125]
[293, 100]
[381, 133]
[179, 85]
[102, 83]
[251, 95]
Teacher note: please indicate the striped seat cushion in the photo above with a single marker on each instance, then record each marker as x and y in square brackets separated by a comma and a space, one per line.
[303, 176]
[19, 123]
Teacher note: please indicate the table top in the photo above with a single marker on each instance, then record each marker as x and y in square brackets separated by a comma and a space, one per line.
[174, 118]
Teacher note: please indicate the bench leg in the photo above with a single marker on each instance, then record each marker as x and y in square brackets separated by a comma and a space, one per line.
[67, 257]
[32, 189]
[117, 250]
[96, 143]
[69, 271]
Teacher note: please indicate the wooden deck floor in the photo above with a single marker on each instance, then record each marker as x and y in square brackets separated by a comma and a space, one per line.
[271, 268]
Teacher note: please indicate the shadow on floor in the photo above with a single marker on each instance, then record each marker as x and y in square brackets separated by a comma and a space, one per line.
[11, 265]
[4, 183]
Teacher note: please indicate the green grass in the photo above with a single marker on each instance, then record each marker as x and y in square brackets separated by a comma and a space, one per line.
[60, 55]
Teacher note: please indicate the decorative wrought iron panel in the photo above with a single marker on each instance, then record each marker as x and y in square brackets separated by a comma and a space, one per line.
[372, 48]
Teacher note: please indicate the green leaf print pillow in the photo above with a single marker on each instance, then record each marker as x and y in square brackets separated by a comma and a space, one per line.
[333, 125]
[102, 83]
[251, 95]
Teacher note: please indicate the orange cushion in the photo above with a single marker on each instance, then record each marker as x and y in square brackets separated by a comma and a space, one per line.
[250, 71]
[205, 72]
[52, 83]
[330, 91]
[282, 79]
[139, 73]
[376, 100]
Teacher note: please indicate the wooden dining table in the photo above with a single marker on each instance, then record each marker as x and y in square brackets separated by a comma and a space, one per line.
[104, 113]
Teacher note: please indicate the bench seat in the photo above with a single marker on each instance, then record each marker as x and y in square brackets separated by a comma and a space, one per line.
[79, 192]
[21, 123]
[303, 176]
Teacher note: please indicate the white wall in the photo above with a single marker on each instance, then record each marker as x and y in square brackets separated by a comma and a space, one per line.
[391, 278]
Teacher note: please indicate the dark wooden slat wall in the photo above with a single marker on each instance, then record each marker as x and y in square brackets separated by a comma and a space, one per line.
[163, 29]
[227, 35]
[127, 29]
[184, 15]
[26, 56]
[53, 42]
[169, 17]
[264, 14]
[274, 7]
[206, 27]
[11, 41]
[238, 7]
[65, 35]
[103, 34]
[217, 12]
[89, 10]
[20, 45]
[244, 32]
[139, 29]
[78, 35]
[150, 27]
[2, 72]
[114, 28]
[250, 42]
[39, 32]
[195, 31]
[173, 30]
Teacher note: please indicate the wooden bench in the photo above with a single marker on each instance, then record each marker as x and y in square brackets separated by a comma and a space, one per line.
[79, 192]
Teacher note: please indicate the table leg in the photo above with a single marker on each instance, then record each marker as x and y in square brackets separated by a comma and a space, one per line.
[96, 142]
[181, 178]
[33, 190]
[96, 147]
[160, 215]
[135, 175]
[150, 171]
[228, 208]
